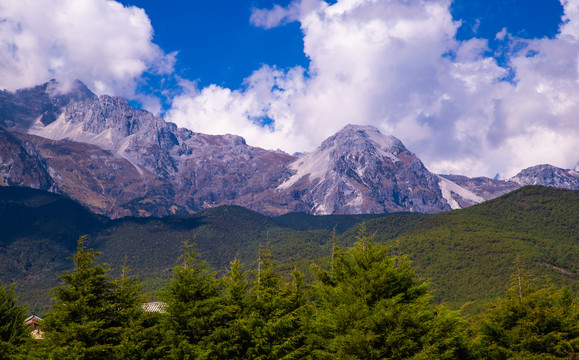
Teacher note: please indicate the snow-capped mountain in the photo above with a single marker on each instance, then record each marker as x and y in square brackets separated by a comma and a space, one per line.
[461, 191]
[121, 161]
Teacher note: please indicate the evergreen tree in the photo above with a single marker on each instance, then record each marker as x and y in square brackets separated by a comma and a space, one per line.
[274, 313]
[91, 311]
[13, 333]
[143, 338]
[370, 306]
[193, 303]
[531, 322]
[233, 338]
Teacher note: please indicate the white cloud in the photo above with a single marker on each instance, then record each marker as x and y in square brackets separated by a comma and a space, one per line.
[397, 65]
[501, 35]
[278, 15]
[101, 42]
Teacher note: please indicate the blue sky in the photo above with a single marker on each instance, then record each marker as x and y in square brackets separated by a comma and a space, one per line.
[223, 47]
[217, 44]
[473, 87]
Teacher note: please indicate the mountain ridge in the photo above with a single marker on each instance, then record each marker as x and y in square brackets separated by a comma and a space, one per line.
[120, 161]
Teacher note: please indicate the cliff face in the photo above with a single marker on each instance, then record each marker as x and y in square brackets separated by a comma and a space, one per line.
[359, 170]
[548, 175]
[122, 161]
[21, 164]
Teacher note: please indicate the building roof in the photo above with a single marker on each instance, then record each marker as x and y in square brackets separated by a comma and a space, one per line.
[33, 320]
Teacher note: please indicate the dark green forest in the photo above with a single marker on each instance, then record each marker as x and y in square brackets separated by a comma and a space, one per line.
[466, 255]
[365, 304]
[497, 280]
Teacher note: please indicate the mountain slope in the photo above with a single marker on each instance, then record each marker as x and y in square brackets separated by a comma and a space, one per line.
[470, 254]
[39, 232]
[120, 161]
[467, 254]
[359, 170]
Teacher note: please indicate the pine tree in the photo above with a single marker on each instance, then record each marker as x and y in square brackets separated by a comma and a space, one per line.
[232, 338]
[274, 313]
[370, 306]
[91, 312]
[531, 322]
[193, 299]
[143, 338]
[13, 333]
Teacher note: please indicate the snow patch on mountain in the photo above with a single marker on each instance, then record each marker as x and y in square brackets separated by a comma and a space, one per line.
[314, 164]
[67, 130]
[448, 187]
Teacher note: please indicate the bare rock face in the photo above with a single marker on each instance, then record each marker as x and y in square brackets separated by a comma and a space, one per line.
[22, 165]
[121, 161]
[218, 170]
[548, 175]
[359, 170]
[478, 189]
[105, 183]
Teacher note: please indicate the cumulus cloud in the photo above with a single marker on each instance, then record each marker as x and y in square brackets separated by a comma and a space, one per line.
[394, 64]
[101, 42]
[397, 65]
[278, 15]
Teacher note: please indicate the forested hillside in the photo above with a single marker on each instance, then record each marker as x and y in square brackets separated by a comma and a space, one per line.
[365, 304]
[467, 255]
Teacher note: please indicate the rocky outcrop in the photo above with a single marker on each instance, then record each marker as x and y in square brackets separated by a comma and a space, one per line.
[22, 165]
[121, 161]
[548, 175]
[359, 170]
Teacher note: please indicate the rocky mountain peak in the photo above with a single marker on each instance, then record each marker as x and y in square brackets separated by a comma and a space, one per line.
[21, 109]
[121, 161]
[68, 91]
[361, 170]
[365, 137]
[547, 175]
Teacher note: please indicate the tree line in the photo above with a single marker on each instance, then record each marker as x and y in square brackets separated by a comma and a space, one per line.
[367, 304]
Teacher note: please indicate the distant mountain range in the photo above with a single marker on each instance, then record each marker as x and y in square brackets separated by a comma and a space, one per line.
[120, 161]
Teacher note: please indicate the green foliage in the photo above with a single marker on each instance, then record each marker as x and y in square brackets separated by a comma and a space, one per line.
[274, 309]
[91, 311]
[193, 300]
[12, 330]
[468, 254]
[367, 304]
[232, 339]
[144, 338]
[531, 322]
[262, 319]
[371, 306]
